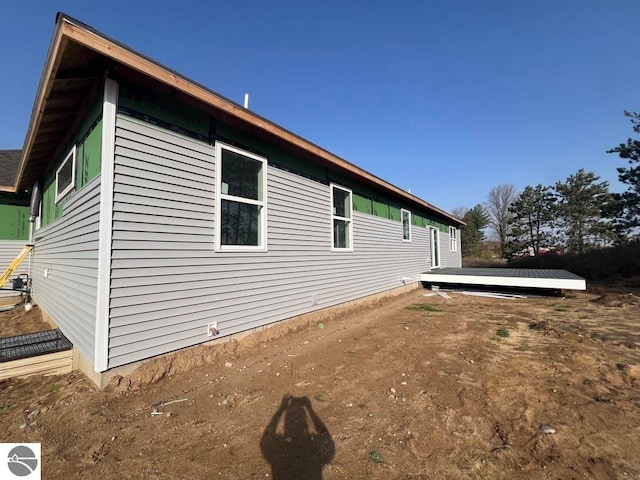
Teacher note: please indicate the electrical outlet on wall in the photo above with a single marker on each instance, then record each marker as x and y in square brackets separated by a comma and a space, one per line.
[212, 329]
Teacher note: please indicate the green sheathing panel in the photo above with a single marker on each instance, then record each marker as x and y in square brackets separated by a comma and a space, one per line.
[15, 222]
[277, 156]
[362, 204]
[89, 156]
[365, 199]
[162, 110]
[167, 112]
[390, 209]
[88, 142]
[394, 213]
[381, 209]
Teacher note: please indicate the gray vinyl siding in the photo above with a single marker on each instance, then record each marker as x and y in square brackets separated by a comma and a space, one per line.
[448, 258]
[68, 248]
[9, 250]
[167, 282]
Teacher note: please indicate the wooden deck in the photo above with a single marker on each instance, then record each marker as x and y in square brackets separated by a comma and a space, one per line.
[506, 277]
[40, 353]
[48, 364]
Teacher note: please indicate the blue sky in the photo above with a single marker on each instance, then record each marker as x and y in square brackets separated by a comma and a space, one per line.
[446, 98]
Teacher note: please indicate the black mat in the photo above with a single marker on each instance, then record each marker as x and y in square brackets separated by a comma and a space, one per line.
[33, 344]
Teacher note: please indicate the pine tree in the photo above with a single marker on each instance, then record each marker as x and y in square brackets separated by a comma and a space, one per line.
[583, 208]
[532, 214]
[630, 200]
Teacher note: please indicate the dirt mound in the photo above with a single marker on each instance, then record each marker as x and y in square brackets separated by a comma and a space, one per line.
[18, 321]
[152, 371]
[617, 299]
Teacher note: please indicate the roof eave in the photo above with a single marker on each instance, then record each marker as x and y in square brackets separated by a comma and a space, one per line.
[68, 28]
[44, 86]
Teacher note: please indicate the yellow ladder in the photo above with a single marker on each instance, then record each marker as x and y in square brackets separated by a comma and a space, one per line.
[14, 264]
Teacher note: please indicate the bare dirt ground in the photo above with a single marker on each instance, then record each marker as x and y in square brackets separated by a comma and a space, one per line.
[18, 321]
[387, 392]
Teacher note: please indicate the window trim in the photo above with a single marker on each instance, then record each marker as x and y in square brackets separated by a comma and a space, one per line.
[434, 237]
[219, 196]
[402, 210]
[453, 239]
[337, 217]
[71, 155]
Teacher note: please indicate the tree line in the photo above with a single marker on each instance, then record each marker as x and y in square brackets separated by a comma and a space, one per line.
[574, 215]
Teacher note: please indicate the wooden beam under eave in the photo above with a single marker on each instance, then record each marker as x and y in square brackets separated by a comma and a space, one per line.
[44, 138]
[64, 96]
[41, 152]
[75, 75]
[53, 111]
[7, 189]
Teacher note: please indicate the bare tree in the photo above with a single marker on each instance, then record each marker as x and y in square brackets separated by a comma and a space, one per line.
[497, 205]
[459, 212]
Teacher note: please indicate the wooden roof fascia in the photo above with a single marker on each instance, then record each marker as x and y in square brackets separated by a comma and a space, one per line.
[119, 53]
[44, 87]
[69, 30]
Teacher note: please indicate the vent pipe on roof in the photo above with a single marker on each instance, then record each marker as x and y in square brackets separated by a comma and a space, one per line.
[246, 100]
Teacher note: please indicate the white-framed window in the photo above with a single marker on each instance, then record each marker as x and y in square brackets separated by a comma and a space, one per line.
[341, 218]
[38, 222]
[435, 246]
[66, 175]
[406, 225]
[453, 238]
[241, 203]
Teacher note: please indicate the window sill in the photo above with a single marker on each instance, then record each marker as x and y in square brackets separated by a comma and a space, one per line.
[239, 249]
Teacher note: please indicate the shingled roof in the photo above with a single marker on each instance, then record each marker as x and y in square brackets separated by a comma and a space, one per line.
[9, 160]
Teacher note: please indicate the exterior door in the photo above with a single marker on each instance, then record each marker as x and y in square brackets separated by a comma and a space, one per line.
[435, 247]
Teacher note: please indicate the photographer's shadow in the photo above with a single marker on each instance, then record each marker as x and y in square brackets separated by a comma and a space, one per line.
[300, 452]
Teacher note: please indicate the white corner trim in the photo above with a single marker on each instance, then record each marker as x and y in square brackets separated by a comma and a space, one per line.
[109, 105]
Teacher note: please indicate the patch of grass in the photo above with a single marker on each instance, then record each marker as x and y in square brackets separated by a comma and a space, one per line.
[503, 332]
[375, 456]
[54, 388]
[523, 347]
[561, 309]
[4, 406]
[423, 307]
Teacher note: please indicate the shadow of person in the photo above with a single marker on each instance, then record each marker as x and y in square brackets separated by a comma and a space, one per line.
[299, 452]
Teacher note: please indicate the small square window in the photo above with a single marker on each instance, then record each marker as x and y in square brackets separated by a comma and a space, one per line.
[66, 175]
[341, 221]
[406, 225]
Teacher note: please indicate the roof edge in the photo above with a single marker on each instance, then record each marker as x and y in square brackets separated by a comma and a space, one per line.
[44, 85]
[69, 28]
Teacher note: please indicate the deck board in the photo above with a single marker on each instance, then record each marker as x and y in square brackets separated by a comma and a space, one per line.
[507, 277]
